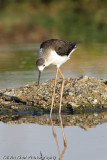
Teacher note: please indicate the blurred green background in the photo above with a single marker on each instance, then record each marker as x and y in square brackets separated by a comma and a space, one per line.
[24, 24]
[32, 21]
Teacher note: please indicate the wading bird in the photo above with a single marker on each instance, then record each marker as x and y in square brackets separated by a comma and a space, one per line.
[54, 52]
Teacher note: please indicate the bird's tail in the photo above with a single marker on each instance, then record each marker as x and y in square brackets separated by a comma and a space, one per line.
[74, 45]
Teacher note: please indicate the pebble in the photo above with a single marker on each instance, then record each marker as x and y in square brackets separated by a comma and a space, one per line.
[95, 101]
[95, 114]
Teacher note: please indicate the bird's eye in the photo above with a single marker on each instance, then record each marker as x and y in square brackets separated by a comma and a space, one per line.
[44, 65]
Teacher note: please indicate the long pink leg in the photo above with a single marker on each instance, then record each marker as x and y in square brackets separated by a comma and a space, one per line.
[63, 80]
[53, 96]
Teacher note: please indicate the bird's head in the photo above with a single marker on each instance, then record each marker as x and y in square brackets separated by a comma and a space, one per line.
[40, 65]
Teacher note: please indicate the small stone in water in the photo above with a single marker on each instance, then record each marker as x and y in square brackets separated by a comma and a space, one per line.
[95, 101]
[70, 93]
[95, 114]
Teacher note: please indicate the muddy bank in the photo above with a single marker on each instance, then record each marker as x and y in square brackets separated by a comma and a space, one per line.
[84, 121]
[83, 94]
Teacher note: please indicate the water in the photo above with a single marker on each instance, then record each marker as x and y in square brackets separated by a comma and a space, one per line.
[17, 64]
[32, 140]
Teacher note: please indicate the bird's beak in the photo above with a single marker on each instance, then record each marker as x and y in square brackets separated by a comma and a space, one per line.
[39, 77]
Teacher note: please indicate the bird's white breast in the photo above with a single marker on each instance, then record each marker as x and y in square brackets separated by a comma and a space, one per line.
[56, 59]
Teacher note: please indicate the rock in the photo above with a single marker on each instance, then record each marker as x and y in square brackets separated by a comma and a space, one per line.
[83, 78]
[95, 101]
[95, 114]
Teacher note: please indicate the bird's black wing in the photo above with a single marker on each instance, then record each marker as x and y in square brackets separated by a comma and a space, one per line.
[61, 47]
[42, 44]
[65, 48]
[48, 43]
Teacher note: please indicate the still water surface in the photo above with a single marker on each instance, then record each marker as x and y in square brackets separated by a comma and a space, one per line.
[24, 140]
[17, 68]
[17, 64]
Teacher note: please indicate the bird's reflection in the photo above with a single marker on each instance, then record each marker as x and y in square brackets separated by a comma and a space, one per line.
[55, 136]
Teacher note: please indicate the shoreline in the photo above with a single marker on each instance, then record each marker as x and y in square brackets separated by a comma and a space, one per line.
[85, 121]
